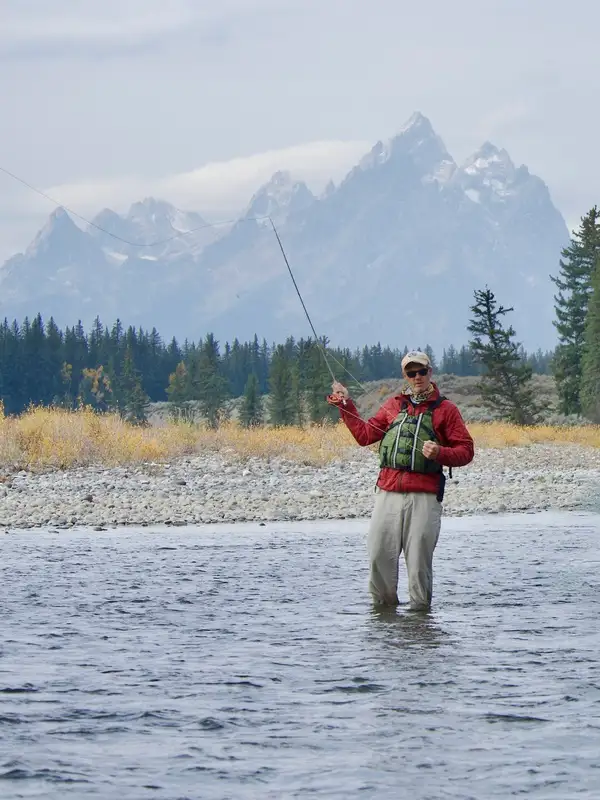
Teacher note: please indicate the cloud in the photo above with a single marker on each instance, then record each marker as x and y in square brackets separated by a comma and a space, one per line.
[218, 190]
[217, 187]
[33, 30]
[127, 20]
[103, 97]
[225, 185]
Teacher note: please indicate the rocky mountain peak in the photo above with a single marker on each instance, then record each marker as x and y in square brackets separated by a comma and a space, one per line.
[417, 126]
[417, 142]
[148, 221]
[150, 210]
[381, 242]
[279, 197]
[490, 176]
[491, 163]
[59, 233]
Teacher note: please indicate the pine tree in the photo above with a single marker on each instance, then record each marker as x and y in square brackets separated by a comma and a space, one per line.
[300, 372]
[213, 388]
[178, 393]
[429, 352]
[505, 384]
[262, 372]
[34, 346]
[318, 380]
[376, 361]
[251, 410]
[281, 402]
[192, 365]
[571, 304]
[151, 364]
[389, 361]
[135, 399]
[367, 373]
[297, 398]
[466, 362]
[54, 386]
[450, 361]
[76, 354]
[65, 398]
[590, 361]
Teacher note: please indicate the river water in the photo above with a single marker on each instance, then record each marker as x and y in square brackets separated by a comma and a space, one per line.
[246, 662]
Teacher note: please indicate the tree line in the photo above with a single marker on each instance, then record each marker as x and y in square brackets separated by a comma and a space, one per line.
[576, 363]
[124, 369]
[505, 382]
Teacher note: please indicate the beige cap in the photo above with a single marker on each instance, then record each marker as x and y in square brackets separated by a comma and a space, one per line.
[416, 357]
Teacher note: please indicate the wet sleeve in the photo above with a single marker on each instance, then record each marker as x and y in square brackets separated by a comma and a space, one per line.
[365, 432]
[459, 448]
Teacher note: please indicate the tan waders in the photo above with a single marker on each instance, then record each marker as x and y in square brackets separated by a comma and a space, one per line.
[406, 523]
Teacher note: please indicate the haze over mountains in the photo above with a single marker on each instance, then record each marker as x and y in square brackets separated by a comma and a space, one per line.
[391, 254]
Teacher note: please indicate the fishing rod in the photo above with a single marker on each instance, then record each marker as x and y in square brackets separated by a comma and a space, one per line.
[380, 430]
[317, 339]
[287, 263]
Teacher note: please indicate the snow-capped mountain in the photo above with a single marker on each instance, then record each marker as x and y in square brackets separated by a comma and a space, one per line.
[419, 145]
[489, 176]
[391, 254]
[280, 198]
[148, 222]
[62, 267]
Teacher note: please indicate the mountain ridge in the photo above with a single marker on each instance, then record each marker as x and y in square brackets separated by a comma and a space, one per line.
[397, 246]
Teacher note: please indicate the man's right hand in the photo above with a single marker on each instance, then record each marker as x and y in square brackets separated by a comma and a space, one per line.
[339, 393]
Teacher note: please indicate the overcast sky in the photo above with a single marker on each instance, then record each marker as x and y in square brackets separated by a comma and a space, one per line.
[199, 101]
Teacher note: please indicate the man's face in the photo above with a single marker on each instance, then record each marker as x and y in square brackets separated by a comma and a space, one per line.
[418, 376]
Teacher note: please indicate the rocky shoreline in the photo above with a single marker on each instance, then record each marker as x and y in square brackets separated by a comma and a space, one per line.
[210, 488]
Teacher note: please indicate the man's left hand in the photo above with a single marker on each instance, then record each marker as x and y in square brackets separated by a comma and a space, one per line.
[431, 450]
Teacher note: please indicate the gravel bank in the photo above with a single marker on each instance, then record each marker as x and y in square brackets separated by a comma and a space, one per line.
[209, 489]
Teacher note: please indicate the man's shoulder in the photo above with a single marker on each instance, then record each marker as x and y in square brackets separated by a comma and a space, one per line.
[395, 399]
[395, 402]
[392, 406]
[448, 407]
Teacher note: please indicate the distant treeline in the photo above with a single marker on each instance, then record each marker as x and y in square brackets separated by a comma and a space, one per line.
[462, 362]
[118, 367]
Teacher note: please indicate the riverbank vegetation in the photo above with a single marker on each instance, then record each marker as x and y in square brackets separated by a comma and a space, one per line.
[56, 438]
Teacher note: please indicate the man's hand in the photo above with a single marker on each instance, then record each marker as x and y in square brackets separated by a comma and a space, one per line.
[431, 450]
[339, 394]
[340, 390]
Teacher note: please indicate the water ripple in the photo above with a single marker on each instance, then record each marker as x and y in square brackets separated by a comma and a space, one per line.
[246, 661]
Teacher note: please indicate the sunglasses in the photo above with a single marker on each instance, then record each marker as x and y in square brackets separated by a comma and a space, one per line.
[412, 373]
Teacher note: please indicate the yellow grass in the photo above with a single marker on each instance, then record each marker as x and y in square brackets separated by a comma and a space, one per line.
[502, 434]
[47, 438]
[43, 438]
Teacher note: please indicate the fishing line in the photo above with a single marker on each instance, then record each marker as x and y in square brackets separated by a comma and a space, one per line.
[350, 413]
[287, 263]
[180, 234]
[382, 431]
[317, 339]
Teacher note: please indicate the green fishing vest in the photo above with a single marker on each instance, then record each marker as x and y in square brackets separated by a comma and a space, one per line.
[402, 445]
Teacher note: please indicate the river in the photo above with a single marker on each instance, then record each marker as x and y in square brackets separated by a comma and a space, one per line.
[246, 661]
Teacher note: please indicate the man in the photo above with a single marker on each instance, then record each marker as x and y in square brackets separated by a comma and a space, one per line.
[419, 433]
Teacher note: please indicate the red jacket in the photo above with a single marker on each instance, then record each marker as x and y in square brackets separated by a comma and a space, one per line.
[456, 444]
